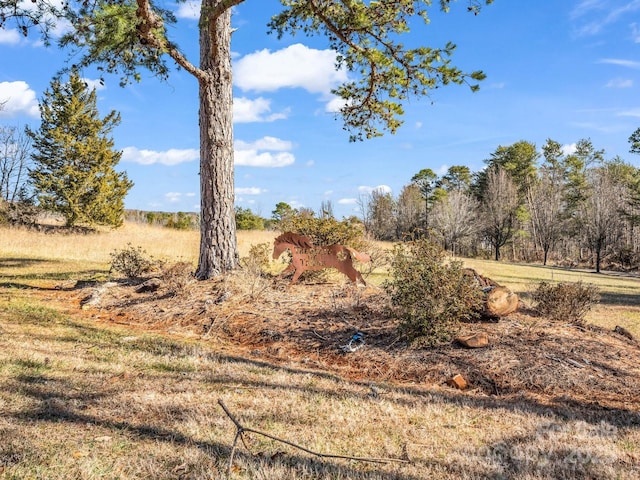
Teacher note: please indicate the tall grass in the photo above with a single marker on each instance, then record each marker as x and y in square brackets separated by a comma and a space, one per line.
[94, 248]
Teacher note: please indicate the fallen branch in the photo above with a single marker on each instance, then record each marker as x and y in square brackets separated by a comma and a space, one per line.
[240, 429]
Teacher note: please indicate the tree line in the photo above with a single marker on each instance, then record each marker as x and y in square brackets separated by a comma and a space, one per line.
[575, 207]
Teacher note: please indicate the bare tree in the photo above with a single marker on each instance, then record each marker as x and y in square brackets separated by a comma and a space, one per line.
[378, 210]
[409, 210]
[15, 148]
[545, 201]
[454, 218]
[326, 209]
[499, 207]
[600, 213]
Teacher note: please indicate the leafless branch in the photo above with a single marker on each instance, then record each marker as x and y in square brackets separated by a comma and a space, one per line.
[240, 429]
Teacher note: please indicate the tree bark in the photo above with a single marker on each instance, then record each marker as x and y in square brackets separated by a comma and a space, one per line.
[218, 244]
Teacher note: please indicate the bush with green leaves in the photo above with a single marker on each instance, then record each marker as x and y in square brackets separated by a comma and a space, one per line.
[566, 301]
[132, 262]
[429, 294]
[325, 230]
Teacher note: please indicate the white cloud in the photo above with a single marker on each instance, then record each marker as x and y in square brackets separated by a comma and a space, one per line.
[569, 149]
[19, 98]
[259, 153]
[253, 158]
[635, 33]
[296, 204]
[296, 66]
[175, 197]
[189, 9]
[91, 84]
[335, 105]
[348, 201]
[620, 83]
[250, 191]
[246, 110]
[9, 37]
[630, 113]
[597, 14]
[265, 143]
[621, 62]
[172, 156]
[379, 188]
[255, 154]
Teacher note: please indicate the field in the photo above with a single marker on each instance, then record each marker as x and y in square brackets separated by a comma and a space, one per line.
[107, 382]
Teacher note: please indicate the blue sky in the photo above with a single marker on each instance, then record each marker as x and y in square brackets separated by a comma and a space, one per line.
[565, 70]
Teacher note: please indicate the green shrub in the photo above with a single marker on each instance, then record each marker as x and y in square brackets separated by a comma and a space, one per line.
[131, 261]
[180, 221]
[247, 220]
[430, 295]
[565, 301]
[326, 230]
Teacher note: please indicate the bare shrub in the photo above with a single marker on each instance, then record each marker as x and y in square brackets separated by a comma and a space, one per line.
[430, 296]
[256, 268]
[18, 213]
[132, 262]
[565, 301]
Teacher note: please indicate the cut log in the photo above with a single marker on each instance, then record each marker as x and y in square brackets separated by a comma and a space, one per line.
[482, 281]
[500, 302]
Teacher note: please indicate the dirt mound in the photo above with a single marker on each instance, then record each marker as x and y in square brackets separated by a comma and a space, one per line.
[308, 326]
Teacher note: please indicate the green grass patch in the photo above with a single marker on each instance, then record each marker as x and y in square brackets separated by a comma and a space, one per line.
[27, 311]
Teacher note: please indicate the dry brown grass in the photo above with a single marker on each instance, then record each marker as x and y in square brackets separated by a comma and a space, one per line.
[159, 242]
[87, 400]
[128, 388]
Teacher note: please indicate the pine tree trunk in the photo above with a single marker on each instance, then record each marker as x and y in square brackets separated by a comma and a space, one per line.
[218, 244]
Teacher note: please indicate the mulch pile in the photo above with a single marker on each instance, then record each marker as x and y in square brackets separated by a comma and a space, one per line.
[308, 326]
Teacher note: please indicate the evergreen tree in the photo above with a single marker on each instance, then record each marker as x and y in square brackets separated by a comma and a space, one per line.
[124, 36]
[74, 158]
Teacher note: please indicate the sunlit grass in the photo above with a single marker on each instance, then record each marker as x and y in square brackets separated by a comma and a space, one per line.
[121, 404]
[86, 399]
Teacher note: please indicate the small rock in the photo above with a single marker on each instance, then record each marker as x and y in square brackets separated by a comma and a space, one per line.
[458, 381]
[477, 340]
